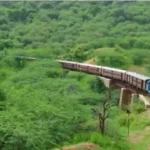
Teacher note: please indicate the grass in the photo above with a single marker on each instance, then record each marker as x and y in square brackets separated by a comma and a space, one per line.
[138, 69]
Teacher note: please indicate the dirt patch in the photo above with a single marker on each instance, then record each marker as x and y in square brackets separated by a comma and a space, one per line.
[146, 113]
[82, 146]
[91, 61]
[139, 136]
[135, 138]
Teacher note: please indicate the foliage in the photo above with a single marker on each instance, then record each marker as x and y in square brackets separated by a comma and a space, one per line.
[43, 106]
[39, 127]
[114, 59]
[94, 25]
[97, 85]
[104, 141]
[5, 44]
[139, 108]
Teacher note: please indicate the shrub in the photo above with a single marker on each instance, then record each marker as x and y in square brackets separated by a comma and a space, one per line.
[2, 96]
[139, 108]
[6, 44]
[97, 85]
[104, 141]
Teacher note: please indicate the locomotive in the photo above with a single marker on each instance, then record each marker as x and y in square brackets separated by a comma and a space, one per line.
[138, 81]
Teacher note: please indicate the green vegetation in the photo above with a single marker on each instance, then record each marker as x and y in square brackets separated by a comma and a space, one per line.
[43, 106]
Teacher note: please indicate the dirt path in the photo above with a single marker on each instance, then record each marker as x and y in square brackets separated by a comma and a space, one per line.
[139, 137]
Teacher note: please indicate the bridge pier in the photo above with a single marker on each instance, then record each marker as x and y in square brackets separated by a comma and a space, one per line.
[126, 97]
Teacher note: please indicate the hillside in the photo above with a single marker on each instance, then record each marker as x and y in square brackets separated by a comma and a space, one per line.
[63, 26]
[42, 106]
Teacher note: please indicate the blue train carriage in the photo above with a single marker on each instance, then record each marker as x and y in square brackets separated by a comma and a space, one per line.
[139, 81]
[148, 85]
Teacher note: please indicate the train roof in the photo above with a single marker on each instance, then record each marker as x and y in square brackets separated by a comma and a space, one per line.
[70, 62]
[92, 65]
[138, 75]
[114, 69]
[83, 64]
[109, 68]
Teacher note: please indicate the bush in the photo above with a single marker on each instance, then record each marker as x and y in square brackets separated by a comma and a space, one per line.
[104, 141]
[3, 21]
[115, 60]
[2, 96]
[6, 44]
[97, 85]
[90, 98]
[139, 108]
[137, 59]
[46, 5]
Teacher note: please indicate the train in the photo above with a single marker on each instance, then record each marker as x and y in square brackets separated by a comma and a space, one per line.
[138, 81]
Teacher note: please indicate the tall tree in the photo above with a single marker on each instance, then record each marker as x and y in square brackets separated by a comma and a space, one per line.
[103, 112]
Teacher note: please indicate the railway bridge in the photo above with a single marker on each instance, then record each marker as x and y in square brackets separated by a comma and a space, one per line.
[131, 84]
[129, 90]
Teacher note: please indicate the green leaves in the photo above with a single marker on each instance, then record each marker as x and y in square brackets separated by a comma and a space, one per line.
[41, 107]
[82, 23]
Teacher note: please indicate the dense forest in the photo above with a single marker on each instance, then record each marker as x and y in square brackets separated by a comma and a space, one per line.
[42, 106]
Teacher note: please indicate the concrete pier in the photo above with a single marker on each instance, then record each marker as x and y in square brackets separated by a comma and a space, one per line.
[125, 97]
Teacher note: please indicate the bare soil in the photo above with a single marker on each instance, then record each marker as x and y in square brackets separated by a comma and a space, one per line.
[82, 146]
[91, 61]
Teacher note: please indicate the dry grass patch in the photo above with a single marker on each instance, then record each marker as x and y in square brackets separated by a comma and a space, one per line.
[82, 146]
[138, 69]
[91, 61]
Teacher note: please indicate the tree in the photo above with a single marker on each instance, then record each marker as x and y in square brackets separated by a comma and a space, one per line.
[78, 53]
[103, 113]
[128, 112]
[46, 5]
